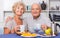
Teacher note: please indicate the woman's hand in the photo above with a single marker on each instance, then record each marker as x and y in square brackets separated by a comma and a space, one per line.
[12, 31]
[6, 30]
[17, 28]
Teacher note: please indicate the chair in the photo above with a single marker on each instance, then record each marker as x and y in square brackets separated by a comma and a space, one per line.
[55, 18]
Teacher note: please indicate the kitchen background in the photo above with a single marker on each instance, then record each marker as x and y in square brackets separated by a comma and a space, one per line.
[51, 6]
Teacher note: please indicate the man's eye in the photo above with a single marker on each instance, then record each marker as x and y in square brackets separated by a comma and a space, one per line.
[37, 9]
[32, 9]
[22, 8]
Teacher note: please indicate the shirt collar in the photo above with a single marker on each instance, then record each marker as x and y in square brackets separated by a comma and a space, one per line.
[37, 18]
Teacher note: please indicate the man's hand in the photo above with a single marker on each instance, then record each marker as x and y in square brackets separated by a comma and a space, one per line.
[44, 27]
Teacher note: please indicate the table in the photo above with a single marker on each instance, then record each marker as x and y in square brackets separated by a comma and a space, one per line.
[16, 36]
[10, 36]
[57, 36]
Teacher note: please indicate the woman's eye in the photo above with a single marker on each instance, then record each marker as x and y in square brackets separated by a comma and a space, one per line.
[18, 8]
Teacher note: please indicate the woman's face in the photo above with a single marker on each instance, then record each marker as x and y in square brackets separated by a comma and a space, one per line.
[19, 10]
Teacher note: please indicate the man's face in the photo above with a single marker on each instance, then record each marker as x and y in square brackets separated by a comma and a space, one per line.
[36, 10]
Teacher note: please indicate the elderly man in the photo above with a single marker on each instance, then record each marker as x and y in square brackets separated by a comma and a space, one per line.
[37, 20]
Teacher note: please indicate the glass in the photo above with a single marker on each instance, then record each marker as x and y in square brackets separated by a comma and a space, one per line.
[22, 28]
[37, 29]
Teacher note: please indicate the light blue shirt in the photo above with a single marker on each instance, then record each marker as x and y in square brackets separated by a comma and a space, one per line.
[36, 23]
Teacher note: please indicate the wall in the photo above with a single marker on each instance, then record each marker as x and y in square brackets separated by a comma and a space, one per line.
[1, 16]
[54, 3]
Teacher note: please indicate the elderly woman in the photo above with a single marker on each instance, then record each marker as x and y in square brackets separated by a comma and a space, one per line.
[18, 9]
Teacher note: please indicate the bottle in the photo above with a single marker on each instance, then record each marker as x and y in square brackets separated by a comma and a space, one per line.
[43, 5]
[54, 29]
[27, 7]
[57, 7]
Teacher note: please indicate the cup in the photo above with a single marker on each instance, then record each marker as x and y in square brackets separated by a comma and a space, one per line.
[37, 27]
[22, 28]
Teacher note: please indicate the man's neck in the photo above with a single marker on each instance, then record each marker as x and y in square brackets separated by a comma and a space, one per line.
[36, 17]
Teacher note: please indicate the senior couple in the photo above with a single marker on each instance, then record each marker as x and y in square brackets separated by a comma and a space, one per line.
[35, 21]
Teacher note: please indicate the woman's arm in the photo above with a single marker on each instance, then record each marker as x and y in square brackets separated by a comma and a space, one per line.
[7, 28]
[8, 19]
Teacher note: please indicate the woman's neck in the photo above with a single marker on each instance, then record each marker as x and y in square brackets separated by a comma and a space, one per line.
[17, 17]
[18, 20]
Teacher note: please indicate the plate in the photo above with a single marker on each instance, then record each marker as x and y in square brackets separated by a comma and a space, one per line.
[45, 35]
[29, 36]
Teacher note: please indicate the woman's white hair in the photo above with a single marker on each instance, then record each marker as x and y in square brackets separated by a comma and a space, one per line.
[16, 4]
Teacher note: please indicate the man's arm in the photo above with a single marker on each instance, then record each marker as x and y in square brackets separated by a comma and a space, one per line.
[46, 23]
